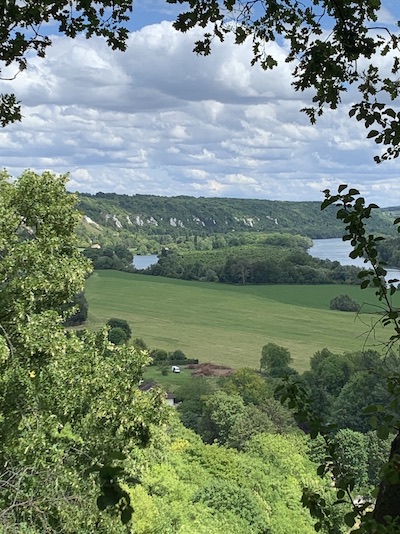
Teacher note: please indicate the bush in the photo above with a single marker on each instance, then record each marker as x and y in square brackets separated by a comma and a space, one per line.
[159, 355]
[274, 359]
[177, 355]
[120, 323]
[117, 336]
[139, 344]
[344, 303]
[224, 497]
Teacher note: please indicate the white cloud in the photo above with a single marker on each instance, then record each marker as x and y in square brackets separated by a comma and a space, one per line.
[159, 119]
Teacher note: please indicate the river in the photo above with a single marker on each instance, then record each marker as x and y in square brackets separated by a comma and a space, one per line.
[337, 250]
[142, 261]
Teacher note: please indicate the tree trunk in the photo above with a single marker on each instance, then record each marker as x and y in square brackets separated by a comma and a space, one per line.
[388, 500]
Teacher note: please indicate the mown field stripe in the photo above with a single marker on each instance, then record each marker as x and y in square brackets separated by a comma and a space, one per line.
[229, 324]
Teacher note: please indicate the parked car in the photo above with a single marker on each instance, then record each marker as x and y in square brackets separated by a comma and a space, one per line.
[175, 369]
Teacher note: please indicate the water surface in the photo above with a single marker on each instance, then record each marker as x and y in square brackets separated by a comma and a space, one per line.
[143, 261]
[335, 249]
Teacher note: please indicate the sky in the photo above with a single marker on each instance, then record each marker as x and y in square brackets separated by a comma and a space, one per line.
[157, 119]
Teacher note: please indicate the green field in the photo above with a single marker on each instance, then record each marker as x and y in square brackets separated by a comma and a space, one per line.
[227, 324]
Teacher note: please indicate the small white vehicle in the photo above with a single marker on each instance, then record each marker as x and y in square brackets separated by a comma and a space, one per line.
[175, 369]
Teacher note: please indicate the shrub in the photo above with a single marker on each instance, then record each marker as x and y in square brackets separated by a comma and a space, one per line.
[81, 313]
[177, 355]
[159, 355]
[139, 344]
[120, 323]
[344, 303]
[117, 336]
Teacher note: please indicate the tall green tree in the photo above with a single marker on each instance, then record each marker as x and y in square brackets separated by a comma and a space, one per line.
[275, 359]
[220, 414]
[249, 385]
[70, 407]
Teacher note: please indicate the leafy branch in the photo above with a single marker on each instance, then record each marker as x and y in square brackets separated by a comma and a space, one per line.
[353, 212]
[383, 515]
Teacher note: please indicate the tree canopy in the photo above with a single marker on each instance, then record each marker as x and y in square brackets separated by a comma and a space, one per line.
[332, 45]
[274, 359]
[70, 406]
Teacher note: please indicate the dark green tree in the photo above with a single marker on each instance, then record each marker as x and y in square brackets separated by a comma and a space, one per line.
[159, 355]
[122, 324]
[318, 357]
[117, 336]
[192, 396]
[253, 421]
[177, 354]
[221, 412]
[329, 373]
[378, 453]
[352, 454]
[275, 359]
[140, 344]
[81, 306]
[363, 389]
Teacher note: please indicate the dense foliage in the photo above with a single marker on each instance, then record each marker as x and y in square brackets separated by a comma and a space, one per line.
[119, 331]
[78, 310]
[69, 405]
[118, 258]
[111, 218]
[189, 486]
[389, 251]
[242, 408]
[287, 263]
[344, 303]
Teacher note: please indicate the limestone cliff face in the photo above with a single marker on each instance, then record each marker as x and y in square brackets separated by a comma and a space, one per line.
[214, 215]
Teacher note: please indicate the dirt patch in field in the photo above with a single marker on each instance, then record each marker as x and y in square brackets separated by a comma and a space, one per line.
[210, 369]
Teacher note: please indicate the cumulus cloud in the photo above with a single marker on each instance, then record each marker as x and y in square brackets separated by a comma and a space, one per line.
[158, 119]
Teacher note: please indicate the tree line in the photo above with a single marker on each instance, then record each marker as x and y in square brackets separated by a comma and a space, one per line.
[267, 264]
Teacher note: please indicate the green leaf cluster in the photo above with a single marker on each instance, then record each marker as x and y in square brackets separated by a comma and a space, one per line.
[21, 29]
[326, 42]
[68, 403]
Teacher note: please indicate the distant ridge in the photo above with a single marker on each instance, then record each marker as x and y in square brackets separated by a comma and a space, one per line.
[208, 215]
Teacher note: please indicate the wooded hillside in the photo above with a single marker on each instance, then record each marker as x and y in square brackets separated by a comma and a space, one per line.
[161, 215]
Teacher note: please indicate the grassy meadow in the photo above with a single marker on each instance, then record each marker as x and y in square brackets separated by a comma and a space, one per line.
[228, 325]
